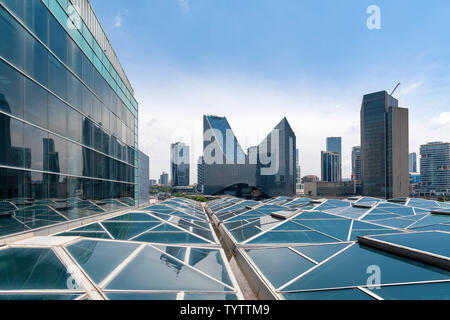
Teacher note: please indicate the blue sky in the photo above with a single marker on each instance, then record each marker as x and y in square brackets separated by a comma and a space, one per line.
[256, 61]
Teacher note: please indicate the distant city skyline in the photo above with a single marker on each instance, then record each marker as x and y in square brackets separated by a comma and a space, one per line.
[189, 66]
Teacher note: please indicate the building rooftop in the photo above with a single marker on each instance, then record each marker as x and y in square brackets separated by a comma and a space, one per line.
[286, 248]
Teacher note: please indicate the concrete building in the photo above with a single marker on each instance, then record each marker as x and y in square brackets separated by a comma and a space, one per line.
[310, 178]
[179, 164]
[267, 170]
[435, 169]
[356, 166]
[340, 189]
[384, 147]
[144, 178]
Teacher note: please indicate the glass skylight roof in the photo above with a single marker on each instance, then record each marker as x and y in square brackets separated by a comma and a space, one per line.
[315, 253]
[326, 249]
[164, 251]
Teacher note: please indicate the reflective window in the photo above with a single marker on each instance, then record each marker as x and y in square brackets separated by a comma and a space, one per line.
[36, 62]
[11, 90]
[57, 37]
[57, 77]
[74, 125]
[35, 104]
[74, 60]
[37, 19]
[74, 91]
[11, 142]
[57, 154]
[75, 159]
[35, 144]
[57, 115]
[11, 46]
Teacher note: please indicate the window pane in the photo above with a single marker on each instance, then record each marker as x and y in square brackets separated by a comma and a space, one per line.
[37, 19]
[74, 91]
[57, 154]
[12, 186]
[87, 103]
[74, 60]
[11, 142]
[57, 39]
[57, 115]
[74, 125]
[36, 63]
[35, 140]
[57, 78]
[11, 90]
[11, 44]
[75, 159]
[35, 104]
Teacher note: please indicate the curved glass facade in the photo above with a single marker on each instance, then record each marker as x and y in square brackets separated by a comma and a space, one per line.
[68, 145]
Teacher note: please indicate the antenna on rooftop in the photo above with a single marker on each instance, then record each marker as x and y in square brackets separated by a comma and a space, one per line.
[398, 85]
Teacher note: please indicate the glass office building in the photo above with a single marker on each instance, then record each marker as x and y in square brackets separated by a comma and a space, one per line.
[179, 164]
[68, 119]
[228, 170]
[384, 147]
[413, 162]
[330, 166]
[334, 144]
[435, 169]
[356, 165]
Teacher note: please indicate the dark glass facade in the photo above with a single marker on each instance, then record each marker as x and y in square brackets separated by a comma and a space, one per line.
[334, 144]
[68, 142]
[330, 166]
[384, 146]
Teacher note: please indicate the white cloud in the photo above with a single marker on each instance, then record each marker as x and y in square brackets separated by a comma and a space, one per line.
[184, 4]
[410, 88]
[118, 20]
[173, 111]
[442, 121]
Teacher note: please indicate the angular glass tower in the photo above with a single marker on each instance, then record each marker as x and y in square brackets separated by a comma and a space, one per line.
[68, 147]
[384, 147]
[268, 169]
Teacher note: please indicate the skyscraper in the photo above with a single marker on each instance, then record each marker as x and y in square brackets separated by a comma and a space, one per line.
[334, 144]
[179, 164]
[164, 179]
[413, 162]
[384, 146]
[330, 166]
[67, 112]
[356, 165]
[268, 169]
[201, 173]
[435, 169]
[298, 171]
[144, 178]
